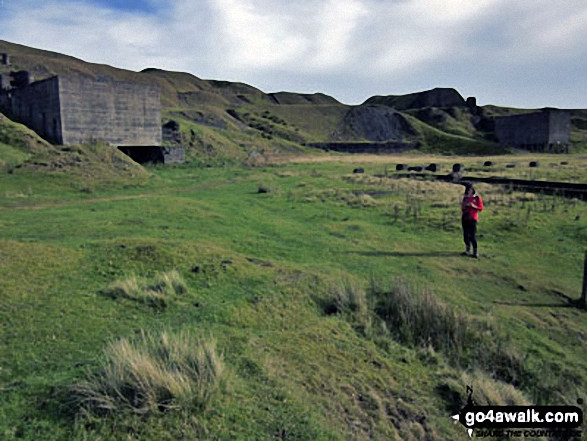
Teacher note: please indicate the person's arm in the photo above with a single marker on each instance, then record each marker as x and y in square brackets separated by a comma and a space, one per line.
[479, 205]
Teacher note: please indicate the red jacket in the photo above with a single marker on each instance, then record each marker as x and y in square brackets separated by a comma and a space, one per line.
[471, 206]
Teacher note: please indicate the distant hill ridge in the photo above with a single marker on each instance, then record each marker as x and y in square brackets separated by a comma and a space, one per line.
[43, 64]
[224, 121]
[437, 97]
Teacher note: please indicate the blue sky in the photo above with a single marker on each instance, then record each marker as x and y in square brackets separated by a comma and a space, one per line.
[126, 5]
[523, 53]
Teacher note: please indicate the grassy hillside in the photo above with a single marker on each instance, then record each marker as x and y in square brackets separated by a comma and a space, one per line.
[433, 140]
[287, 299]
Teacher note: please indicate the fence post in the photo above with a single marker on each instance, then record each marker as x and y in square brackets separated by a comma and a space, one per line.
[583, 300]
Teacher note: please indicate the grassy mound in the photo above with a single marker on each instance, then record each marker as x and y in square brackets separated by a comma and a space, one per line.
[17, 142]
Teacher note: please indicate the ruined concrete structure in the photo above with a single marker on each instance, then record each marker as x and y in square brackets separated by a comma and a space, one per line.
[74, 110]
[546, 131]
[155, 154]
[171, 133]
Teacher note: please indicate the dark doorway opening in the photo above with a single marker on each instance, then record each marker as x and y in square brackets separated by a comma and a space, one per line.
[145, 154]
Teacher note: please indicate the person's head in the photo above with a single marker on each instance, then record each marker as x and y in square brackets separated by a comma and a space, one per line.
[469, 190]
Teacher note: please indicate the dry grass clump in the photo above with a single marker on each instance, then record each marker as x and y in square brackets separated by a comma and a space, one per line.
[350, 297]
[417, 317]
[170, 282]
[153, 292]
[487, 391]
[360, 201]
[153, 372]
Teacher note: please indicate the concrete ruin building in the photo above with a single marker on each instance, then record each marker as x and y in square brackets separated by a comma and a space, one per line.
[80, 110]
[546, 131]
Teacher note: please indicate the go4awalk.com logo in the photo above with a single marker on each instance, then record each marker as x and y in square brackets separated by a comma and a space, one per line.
[520, 421]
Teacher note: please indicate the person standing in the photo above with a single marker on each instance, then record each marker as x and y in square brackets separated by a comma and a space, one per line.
[471, 205]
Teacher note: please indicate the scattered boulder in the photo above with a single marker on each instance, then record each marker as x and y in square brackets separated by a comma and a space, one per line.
[432, 167]
[359, 170]
[510, 166]
[400, 167]
[457, 172]
[416, 169]
[457, 168]
[487, 164]
[534, 164]
[564, 163]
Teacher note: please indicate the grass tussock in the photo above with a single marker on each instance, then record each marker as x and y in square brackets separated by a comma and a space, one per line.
[417, 317]
[170, 283]
[487, 391]
[154, 292]
[153, 372]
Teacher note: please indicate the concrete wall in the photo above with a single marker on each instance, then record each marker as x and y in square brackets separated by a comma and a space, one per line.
[37, 106]
[117, 113]
[520, 130]
[534, 130]
[560, 127]
[174, 155]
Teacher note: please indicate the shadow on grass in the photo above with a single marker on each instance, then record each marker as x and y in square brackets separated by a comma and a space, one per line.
[407, 254]
[568, 302]
[537, 305]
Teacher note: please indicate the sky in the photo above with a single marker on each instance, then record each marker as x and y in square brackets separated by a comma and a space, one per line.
[514, 53]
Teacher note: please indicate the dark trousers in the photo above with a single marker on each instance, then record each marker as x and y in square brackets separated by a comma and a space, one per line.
[470, 233]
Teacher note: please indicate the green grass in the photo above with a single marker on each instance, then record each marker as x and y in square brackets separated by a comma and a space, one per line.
[281, 280]
[10, 157]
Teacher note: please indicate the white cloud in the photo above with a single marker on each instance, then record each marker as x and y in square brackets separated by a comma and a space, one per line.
[257, 38]
[354, 47]
[336, 23]
[533, 31]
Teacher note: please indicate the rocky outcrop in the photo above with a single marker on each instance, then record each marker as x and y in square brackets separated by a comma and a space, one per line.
[373, 123]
